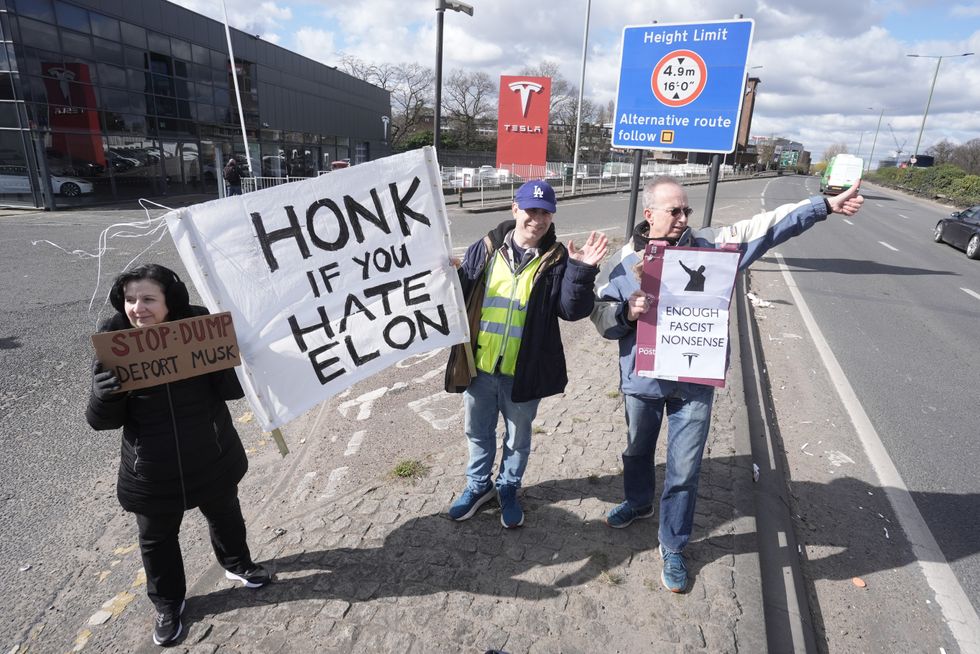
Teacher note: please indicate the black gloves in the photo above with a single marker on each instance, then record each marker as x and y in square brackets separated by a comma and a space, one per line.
[104, 383]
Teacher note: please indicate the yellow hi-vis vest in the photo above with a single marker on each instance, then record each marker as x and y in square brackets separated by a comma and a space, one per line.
[503, 314]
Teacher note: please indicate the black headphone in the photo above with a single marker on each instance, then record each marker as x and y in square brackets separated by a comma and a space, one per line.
[178, 292]
[174, 290]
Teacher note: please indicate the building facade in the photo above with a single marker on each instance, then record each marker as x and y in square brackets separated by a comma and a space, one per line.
[104, 100]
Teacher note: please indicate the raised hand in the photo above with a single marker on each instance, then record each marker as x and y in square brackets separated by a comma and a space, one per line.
[849, 202]
[592, 252]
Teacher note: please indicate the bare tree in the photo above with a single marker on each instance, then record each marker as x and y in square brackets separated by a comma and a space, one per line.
[468, 99]
[563, 112]
[765, 151]
[833, 150]
[967, 156]
[411, 86]
[942, 152]
[563, 94]
[355, 67]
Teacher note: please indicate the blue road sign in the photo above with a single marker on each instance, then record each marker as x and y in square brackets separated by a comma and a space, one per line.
[681, 85]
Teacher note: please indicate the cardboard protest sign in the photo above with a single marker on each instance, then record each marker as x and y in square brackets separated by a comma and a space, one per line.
[684, 335]
[329, 280]
[168, 352]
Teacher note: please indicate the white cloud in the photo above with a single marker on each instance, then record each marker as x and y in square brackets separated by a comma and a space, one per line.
[824, 64]
[315, 44]
[964, 11]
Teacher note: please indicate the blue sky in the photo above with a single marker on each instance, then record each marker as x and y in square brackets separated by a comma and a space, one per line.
[828, 68]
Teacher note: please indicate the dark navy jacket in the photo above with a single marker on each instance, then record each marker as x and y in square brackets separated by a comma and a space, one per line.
[562, 288]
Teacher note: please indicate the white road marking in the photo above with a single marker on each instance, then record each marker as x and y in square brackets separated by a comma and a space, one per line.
[333, 481]
[435, 372]
[304, 486]
[441, 418]
[902, 215]
[969, 292]
[837, 459]
[604, 229]
[408, 362]
[365, 401]
[888, 246]
[354, 444]
[847, 221]
[956, 607]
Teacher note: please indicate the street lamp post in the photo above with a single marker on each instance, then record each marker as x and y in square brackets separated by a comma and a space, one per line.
[939, 60]
[581, 91]
[441, 7]
[875, 140]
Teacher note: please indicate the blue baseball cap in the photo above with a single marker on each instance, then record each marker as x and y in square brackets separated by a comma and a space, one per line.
[536, 194]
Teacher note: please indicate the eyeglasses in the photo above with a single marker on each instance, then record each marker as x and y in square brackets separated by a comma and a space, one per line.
[676, 212]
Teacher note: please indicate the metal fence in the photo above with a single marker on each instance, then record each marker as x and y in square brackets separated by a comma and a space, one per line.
[496, 183]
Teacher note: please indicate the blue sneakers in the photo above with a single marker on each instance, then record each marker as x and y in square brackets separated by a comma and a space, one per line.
[674, 575]
[511, 513]
[623, 515]
[469, 503]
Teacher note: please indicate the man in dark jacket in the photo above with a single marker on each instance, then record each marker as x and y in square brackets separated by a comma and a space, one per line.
[233, 177]
[517, 282]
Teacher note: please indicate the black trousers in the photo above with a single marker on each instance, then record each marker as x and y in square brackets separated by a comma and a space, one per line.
[160, 547]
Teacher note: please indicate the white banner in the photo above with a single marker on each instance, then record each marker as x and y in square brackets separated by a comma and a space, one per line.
[329, 280]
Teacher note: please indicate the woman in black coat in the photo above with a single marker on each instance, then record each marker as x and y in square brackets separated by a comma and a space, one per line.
[180, 450]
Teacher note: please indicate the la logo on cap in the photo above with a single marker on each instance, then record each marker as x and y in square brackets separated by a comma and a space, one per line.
[538, 192]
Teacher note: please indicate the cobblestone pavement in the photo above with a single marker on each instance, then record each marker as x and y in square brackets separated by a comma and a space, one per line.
[382, 569]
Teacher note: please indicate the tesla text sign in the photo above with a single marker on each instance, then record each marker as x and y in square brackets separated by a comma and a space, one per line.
[168, 352]
[681, 85]
[522, 120]
[329, 279]
[684, 335]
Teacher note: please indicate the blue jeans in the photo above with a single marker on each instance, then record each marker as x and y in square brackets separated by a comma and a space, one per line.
[485, 399]
[688, 422]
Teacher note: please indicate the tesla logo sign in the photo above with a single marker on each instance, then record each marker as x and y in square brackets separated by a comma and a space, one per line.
[525, 88]
[522, 120]
[64, 77]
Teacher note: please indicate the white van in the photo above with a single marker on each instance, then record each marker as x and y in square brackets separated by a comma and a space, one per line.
[842, 172]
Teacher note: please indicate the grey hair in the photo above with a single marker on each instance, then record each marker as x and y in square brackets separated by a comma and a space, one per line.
[651, 187]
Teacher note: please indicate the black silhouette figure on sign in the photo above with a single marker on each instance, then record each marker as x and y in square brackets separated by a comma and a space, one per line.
[697, 278]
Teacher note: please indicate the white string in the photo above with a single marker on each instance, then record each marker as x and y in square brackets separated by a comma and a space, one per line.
[153, 227]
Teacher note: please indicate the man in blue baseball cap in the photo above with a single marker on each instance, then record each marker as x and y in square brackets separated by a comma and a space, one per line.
[518, 281]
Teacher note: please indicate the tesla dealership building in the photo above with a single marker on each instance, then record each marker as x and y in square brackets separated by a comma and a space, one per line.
[105, 100]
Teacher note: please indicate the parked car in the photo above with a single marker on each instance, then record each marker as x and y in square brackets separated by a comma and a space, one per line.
[13, 179]
[961, 230]
[62, 164]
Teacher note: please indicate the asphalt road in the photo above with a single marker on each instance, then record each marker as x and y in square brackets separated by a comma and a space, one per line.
[900, 313]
